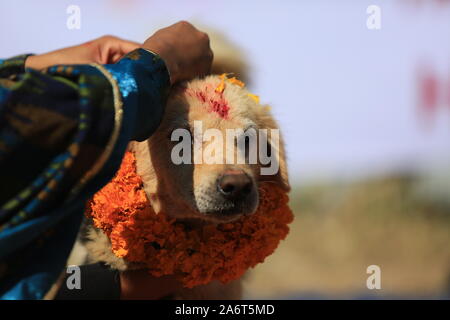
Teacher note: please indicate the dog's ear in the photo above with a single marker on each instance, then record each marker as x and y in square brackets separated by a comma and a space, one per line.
[228, 57]
[145, 168]
[277, 152]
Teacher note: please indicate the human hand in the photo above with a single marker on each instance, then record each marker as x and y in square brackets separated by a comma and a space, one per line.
[184, 49]
[104, 50]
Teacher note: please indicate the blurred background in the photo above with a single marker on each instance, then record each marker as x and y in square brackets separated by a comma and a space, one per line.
[365, 114]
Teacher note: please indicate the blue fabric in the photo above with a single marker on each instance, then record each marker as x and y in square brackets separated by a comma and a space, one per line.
[54, 124]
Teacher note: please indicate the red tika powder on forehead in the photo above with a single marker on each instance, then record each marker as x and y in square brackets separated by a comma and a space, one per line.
[213, 97]
[215, 101]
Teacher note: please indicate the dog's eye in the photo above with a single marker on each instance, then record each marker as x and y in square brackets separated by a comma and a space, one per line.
[269, 150]
[267, 154]
[247, 144]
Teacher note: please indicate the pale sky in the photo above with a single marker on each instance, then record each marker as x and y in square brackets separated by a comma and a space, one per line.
[345, 96]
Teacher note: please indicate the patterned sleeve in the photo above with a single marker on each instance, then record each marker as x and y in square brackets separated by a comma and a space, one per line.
[63, 132]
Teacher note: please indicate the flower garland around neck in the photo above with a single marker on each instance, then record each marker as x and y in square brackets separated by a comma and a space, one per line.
[196, 256]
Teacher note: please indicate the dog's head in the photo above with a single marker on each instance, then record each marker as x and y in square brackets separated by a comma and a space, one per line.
[214, 146]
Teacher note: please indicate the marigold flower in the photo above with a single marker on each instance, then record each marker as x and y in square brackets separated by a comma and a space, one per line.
[165, 247]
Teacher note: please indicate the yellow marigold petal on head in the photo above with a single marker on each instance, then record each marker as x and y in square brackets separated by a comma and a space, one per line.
[236, 82]
[254, 97]
[221, 87]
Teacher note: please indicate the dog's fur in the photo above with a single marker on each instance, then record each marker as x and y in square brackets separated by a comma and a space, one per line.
[188, 192]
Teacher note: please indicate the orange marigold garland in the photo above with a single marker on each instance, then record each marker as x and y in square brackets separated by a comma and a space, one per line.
[165, 247]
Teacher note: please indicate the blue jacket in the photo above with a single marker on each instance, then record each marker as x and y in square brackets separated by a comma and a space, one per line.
[63, 133]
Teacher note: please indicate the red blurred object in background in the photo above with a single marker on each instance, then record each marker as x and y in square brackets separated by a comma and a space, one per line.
[433, 92]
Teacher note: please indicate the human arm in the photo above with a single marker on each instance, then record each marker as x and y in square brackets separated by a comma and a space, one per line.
[63, 132]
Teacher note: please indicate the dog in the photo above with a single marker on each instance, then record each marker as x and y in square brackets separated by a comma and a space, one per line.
[199, 193]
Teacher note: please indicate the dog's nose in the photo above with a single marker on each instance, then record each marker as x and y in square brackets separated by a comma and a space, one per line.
[235, 184]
